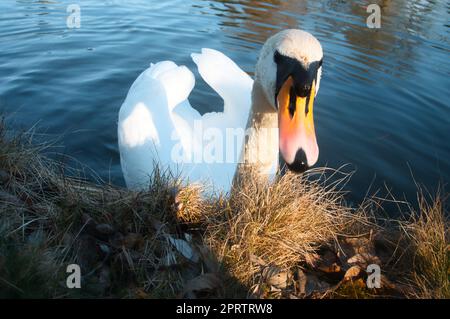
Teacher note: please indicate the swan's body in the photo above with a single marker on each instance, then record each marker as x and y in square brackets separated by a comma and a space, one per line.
[157, 124]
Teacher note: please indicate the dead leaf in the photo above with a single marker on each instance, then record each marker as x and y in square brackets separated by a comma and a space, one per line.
[331, 269]
[274, 289]
[275, 277]
[206, 283]
[184, 249]
[353, 273]
[301, 281]
[363, 260]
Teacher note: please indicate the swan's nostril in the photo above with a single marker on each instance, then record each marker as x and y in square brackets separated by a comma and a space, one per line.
[300, 163]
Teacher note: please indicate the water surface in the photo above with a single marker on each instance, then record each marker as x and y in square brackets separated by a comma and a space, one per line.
[383, 105]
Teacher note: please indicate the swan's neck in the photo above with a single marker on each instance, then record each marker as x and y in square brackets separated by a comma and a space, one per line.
[260, 152]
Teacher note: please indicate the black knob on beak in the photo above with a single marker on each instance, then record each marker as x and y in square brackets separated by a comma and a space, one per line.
[304, 90]
[300, 163]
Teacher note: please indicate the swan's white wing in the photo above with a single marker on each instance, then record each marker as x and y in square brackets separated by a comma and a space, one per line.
[223, 132]
[147, 129]
[158, 125]
[227, 79]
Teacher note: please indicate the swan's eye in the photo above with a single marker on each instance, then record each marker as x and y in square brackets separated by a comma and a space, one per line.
[292, 102]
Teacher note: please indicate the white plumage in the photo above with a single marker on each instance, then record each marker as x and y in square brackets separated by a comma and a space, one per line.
[157, 124]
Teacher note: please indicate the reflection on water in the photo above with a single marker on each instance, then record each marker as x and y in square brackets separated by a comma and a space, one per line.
[383, 104]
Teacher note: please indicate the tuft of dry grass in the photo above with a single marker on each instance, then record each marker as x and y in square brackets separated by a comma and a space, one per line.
[295, 237]
[427, 232]
[189, 205]
[282, 224]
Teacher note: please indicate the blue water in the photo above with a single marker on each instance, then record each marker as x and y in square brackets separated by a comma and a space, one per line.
[383, 105]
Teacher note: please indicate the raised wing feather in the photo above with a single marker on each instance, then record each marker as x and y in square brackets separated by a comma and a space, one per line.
[158, 125]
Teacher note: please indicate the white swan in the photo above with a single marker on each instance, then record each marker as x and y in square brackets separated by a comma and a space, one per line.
[261, 119]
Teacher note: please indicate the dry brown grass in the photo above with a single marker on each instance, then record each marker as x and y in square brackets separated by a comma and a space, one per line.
[282, 224]
[265, 240]
[427, 233]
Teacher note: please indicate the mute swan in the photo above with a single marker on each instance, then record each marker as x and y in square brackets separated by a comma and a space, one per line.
[265, 123]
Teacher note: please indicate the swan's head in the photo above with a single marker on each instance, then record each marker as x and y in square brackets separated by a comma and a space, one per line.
[289, 70]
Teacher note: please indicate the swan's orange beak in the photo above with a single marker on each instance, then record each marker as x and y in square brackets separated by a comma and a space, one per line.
[297, 137]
